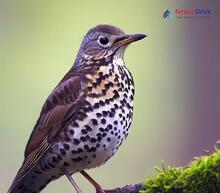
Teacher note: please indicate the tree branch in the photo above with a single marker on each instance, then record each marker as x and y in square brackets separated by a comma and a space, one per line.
[127, 189]
[201, 176]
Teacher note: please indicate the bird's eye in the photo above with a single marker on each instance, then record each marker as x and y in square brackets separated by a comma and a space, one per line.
[103, 40]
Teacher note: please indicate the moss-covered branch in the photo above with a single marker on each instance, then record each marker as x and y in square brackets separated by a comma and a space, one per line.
[201, 176]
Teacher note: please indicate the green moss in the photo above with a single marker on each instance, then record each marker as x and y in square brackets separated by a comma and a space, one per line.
[200, 176]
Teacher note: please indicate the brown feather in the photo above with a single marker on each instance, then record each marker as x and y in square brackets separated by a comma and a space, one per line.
[50, 123]
[53, 112]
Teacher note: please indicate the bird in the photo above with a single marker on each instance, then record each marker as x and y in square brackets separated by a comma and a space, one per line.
[86, 117]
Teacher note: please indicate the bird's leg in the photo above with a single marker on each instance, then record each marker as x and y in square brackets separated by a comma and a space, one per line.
[71, 180]
[93, 182]
[97, 186]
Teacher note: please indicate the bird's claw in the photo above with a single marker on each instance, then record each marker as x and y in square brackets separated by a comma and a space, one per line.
[116, 190]
[100, 191]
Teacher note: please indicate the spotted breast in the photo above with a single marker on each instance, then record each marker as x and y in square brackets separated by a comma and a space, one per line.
[101, 124]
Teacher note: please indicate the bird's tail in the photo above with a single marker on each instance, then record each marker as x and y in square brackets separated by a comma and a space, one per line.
[34, 181]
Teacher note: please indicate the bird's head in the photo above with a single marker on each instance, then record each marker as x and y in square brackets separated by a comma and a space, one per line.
[103, 41]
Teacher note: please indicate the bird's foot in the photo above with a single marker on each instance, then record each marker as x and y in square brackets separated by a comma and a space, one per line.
[115, 190]
[100, 191]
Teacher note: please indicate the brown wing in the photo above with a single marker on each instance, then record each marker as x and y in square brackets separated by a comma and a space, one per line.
[50, 123]
[63, 97]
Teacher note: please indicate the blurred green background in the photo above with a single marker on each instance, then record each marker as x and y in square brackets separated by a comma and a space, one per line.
[176, 72]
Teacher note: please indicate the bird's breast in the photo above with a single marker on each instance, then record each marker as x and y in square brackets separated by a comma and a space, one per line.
[107, 114]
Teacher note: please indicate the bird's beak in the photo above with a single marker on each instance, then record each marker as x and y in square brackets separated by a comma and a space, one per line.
[127, 39]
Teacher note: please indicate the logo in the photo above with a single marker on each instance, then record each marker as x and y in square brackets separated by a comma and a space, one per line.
[167, 14]
[187, 13]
